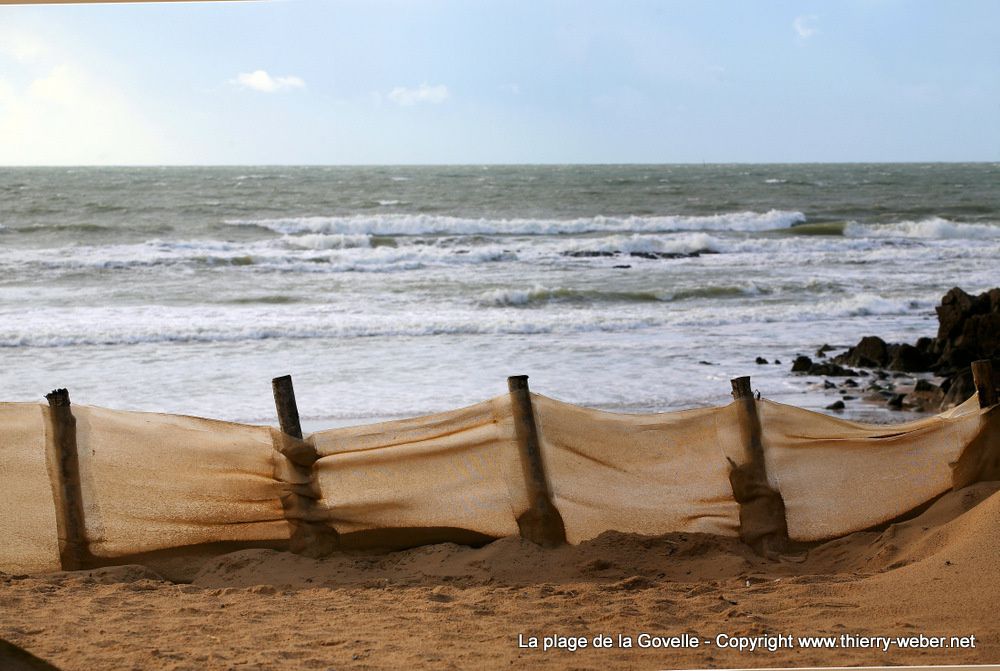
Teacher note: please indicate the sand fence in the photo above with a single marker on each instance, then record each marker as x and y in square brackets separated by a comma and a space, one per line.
[85, 486]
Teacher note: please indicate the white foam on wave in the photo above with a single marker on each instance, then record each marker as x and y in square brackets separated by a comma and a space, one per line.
[512, 297]
[325, 241]
[683, 243]
[865, 305]
[934, 228]
[425, 224]
[387, 259]
[314, 253]
[362, 252]
[133, 325]
[518, 297]
[819, 309]
[139, 324]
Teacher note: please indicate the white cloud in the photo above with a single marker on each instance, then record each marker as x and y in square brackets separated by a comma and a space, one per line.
[62, 85]
[422, 94]
[804, 28]
[260, 80]
[54, 110]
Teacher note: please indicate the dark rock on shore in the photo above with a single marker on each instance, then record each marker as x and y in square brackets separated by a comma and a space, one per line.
[821, 352]
[968, 330]
[831, 370]
[873, 352]
[804, 364]
[908, 358]
[926, 395]
[957, 388]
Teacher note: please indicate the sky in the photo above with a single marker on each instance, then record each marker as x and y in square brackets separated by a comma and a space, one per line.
[481, 81]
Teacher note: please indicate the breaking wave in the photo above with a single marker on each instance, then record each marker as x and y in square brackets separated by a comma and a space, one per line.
[933, 228]
[424, 224]
[539, 295]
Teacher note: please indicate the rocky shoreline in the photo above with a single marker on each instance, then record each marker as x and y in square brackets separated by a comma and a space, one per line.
[930, 375]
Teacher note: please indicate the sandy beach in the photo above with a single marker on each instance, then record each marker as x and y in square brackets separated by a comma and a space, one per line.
[448, 606]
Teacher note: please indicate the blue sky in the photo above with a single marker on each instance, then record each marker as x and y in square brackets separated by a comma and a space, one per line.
[374, 82]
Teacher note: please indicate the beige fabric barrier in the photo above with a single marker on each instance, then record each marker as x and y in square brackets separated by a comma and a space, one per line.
[457, 469]
[837, 476]
[28, 534]
[648, 474]
[153, 482]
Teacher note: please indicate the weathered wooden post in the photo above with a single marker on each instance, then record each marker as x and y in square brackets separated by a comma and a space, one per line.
[762, 511]
[986, 387]
[541, 523]
[70, 524]
[743, 394]
[980, 461]
[310, 535]
[284, 401]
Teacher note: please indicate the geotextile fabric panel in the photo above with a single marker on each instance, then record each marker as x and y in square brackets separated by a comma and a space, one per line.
[28, 531]
[837, 477]
[153, 481]
[648, 474]
[459, 469]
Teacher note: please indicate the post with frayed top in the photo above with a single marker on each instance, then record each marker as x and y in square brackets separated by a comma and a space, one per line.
[741, 387]
[743, 394]
[541, 523]
[986, 386]
[70, 525]
[311, 535]
[288, 410]
[762, 511]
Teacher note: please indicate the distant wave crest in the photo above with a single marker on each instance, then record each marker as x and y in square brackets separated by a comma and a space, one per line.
[425, 224]
[517, 297]
[933, 228]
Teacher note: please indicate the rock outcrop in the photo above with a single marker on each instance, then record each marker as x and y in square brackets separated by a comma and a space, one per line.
[968, 330]
[873, 352]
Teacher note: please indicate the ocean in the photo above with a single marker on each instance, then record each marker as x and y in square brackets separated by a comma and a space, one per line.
[398, 291]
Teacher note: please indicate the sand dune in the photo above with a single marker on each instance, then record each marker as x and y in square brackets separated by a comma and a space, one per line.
[449, 606]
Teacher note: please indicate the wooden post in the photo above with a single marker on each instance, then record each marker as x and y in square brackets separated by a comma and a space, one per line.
[751, 422]
[982, 377]
[762, 511]
[310, 536]
[741, 387]
[980, 460]
[284, 401]
[72, 529]
[541, 523]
